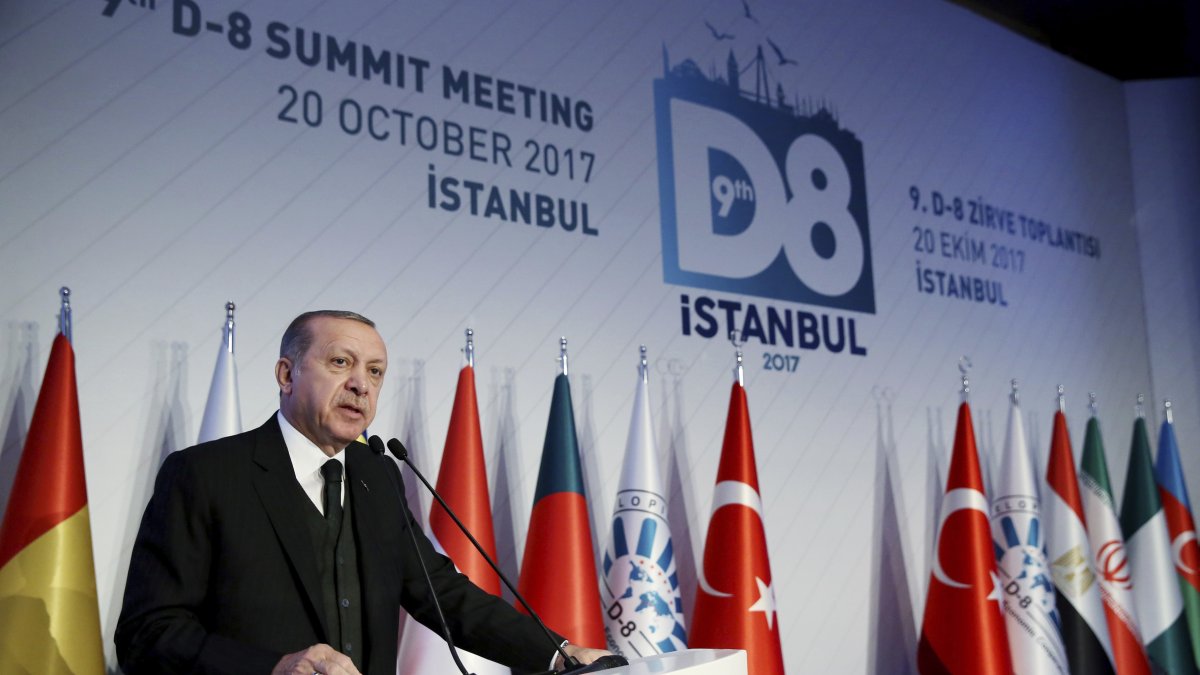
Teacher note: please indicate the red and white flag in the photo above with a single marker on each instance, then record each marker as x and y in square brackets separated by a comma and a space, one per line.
[1112, 562]
[963, 630]
[462, 482]
[1082, 618]
[735, 605]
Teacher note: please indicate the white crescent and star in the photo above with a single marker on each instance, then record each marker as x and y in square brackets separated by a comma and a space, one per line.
[958, 499]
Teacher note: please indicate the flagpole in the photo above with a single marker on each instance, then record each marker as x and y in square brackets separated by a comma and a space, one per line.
[1139, 408]
[1167, 411]
[738, 372]
[1062, 405]
[562, 355]
[229, 307]
[643, 370]
[469, 349]
[964, 366]
[1014, 396]
[64, 313]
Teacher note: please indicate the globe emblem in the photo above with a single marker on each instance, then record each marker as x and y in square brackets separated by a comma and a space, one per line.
[1029, 581]
[643, 597]
[643, 610]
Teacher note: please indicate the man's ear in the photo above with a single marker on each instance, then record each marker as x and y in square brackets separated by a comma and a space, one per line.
[283, 374]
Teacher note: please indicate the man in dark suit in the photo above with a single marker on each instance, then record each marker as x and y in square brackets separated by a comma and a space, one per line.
[258, 554]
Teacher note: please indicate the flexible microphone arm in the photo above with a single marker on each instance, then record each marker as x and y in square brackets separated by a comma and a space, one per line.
[397, 448]
[377, 446]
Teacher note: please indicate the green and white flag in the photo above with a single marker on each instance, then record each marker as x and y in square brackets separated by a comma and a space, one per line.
[1148, 545]
[1112, 564]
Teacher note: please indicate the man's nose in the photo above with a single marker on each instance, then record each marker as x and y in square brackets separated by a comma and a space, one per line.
[358, 382]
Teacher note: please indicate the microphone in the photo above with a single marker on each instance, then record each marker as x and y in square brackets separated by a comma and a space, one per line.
[376, 445]
[570, 663]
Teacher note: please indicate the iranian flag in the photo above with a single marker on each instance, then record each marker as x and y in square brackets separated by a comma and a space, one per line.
[1108, 547]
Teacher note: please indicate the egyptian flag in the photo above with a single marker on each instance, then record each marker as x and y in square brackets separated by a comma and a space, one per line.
[963, 630]
[1155, 583]
[1077, 586]
[558, 570]
[1172, 489]
[49, 615]
[1112, 562]
[735, 605]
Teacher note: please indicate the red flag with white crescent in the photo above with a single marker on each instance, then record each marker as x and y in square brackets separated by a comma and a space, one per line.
[963, 630]
[735, 605]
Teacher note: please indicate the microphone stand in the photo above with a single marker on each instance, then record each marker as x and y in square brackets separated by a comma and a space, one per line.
[570, 664]
[377, 446]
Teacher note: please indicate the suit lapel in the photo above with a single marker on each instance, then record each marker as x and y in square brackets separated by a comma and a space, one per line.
[374, 511]
[281, 496]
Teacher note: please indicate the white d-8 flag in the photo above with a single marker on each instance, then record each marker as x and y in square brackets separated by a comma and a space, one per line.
[643, 613]
[1018, 530]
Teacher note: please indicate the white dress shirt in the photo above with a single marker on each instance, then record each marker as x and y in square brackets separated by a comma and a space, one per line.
[307, 460]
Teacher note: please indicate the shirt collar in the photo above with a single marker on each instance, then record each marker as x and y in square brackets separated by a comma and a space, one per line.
[307, 458]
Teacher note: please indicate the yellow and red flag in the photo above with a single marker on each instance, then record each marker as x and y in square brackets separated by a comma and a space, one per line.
[48, 605]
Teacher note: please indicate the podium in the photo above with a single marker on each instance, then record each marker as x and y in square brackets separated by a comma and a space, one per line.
[689, 661]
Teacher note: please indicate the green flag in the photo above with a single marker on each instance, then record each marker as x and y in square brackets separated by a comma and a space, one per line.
[1148, 545]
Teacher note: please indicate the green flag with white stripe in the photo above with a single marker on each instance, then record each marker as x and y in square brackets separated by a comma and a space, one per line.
[1148, 545]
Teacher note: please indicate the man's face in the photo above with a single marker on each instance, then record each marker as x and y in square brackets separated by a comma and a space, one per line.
[330, 395]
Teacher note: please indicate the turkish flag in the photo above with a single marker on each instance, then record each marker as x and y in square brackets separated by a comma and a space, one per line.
[735, 605]
[963, 630]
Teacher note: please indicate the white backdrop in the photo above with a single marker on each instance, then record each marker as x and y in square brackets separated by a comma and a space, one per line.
[152, 173]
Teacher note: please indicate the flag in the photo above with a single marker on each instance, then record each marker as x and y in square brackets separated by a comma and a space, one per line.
[735, 604]
[963, 630]
[462, 482]
[1172, 489]
[1029, 605]
[1080, 606]
[222, 412]
[1155, 583]
[558, 570]
[643, 609]
[892, 638]
[48, 605]
[1112, 564]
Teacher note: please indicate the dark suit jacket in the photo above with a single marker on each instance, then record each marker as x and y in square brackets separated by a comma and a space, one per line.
[223, 576]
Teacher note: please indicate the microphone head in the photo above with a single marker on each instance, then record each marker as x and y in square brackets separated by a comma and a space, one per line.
[376, 444]
[398, 450]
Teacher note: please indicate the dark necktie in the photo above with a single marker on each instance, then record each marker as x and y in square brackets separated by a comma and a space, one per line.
[332, 472]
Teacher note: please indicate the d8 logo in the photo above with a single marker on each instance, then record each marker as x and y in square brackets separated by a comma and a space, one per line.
[759, 199]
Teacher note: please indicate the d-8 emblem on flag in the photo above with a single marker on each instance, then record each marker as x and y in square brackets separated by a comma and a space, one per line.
[643, 610]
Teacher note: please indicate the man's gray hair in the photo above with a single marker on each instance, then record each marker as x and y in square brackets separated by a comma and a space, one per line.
[297, 338]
